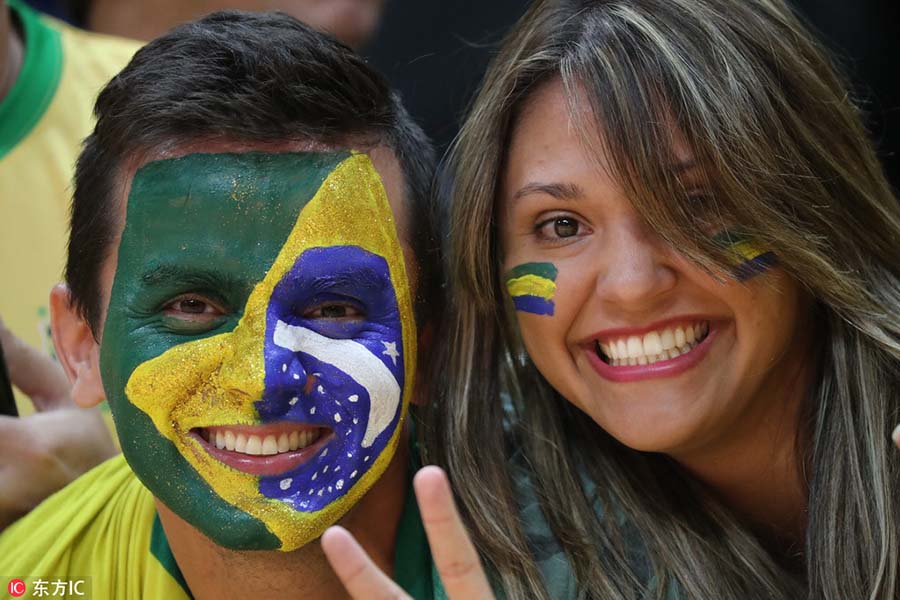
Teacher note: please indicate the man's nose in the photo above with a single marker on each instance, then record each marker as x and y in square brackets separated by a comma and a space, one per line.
[633, 270]
[243, 369]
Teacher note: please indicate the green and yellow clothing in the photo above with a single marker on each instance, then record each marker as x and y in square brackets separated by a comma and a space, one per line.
[103, 528]
[43, 120]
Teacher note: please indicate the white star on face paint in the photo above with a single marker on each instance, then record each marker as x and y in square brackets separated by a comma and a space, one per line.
[390, 349]
[359, 363]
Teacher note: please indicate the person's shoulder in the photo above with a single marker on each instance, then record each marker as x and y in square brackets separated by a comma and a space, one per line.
[94, 55]
[83, 529]
[553, 562]
[548, 553]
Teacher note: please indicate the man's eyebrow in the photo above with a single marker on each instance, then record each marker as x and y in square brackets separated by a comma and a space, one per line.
[348, 277]
[560, 191]
[169, 273]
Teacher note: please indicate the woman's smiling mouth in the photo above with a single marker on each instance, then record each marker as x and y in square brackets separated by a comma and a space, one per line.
[663, 351]
[654, 346]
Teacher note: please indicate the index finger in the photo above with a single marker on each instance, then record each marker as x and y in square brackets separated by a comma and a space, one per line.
[361, 577]
[454, 555]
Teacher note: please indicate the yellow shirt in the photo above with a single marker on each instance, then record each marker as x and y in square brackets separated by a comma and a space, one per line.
[101, 530]
[43, 120]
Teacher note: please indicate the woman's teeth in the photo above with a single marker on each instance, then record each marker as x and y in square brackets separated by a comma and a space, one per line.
[257, 445]
[653, 346]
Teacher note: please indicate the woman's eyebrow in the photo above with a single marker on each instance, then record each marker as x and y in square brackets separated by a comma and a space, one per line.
[685, 168]
[560, 191]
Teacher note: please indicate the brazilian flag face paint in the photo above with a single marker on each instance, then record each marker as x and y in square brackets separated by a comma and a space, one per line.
[315, 340]
[532, 286]
[748, 259]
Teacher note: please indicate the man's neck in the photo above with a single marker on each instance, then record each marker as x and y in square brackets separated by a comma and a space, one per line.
[215, 572]
[12, 51]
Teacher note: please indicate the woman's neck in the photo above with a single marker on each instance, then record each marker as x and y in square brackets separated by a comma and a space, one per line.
[757, 471]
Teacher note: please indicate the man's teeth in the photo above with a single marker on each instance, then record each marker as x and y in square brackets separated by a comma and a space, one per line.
[653, 346]
[261, 445]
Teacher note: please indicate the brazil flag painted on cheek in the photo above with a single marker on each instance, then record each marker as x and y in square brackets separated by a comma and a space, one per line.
[259, 348]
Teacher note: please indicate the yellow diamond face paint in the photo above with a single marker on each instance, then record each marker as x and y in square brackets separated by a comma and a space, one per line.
[281, 419]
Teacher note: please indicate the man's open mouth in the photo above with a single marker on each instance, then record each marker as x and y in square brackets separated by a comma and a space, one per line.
[265, 449]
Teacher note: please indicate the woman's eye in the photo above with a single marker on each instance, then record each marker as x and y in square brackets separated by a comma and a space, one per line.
[705, 209]
[702, 201]
[565, 227]
[333, 311]
[559, 228]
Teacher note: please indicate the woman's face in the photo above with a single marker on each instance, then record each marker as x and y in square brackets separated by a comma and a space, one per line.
[661, 355]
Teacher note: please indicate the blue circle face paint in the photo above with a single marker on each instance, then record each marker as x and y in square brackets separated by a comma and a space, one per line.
[344, 375]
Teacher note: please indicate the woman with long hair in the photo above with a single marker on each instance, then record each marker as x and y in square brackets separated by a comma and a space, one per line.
[680, 168]
[673, 247]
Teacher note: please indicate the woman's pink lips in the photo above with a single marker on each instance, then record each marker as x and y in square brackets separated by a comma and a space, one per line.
[655, 326]
[272, 464]
[664, 368]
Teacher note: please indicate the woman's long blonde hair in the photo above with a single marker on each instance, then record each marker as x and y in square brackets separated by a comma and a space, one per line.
[782, 145]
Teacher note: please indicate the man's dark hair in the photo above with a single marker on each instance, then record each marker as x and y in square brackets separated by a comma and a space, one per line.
[253, 77]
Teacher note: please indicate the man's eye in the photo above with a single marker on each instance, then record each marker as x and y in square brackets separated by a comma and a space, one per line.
[192, 308]
[333, 311]
[560, 228]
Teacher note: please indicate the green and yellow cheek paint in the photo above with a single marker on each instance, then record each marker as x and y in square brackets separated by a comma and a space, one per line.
[747, 258]
[273, 238]
[532, 286]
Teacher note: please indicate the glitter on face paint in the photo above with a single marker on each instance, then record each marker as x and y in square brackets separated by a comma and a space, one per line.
[219, 380]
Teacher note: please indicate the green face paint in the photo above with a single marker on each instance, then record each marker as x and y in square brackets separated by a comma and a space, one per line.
[532, 286]
[255, 233]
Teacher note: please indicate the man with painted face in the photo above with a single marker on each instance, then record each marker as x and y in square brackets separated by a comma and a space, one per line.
[250, 215]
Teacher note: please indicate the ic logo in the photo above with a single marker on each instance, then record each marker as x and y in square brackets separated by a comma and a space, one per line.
[16, 588]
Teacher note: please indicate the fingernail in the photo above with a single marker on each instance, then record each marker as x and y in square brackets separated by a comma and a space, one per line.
[896, 435]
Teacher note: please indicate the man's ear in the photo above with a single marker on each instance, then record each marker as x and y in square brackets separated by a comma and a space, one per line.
[78, 351]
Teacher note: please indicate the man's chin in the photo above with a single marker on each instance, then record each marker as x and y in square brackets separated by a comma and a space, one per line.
[237, 515]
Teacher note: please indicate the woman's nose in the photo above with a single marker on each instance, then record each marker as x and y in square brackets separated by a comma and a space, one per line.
[634, 271]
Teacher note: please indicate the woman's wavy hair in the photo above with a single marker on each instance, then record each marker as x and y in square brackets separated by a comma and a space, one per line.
[779, 140]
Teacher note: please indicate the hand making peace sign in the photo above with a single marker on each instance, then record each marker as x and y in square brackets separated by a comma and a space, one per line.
[454, 555]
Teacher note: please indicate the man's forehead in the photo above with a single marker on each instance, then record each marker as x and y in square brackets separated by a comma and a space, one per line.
[253, 185]
[206, 210]
[224, 207]
[274, 161]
